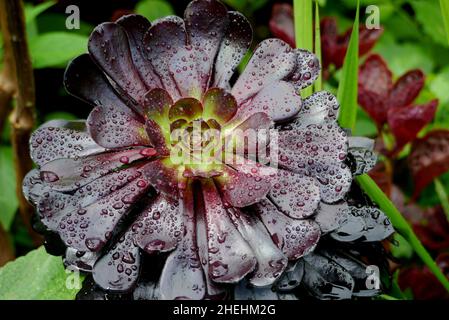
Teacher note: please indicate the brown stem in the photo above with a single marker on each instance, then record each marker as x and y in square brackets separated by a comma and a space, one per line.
[6, 251]
[22, 116]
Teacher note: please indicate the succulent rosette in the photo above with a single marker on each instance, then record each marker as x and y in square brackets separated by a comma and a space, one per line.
[110, 188]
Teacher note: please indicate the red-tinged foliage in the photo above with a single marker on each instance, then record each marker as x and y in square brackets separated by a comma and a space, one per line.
[382, 177]
[423, 283]
[391, 103]
[429, 158]
[281, 23]
[333, 45]
[433, 229]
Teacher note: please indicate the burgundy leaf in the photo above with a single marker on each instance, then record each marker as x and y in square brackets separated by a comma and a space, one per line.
[375, 83]
[281, 23]
[406, 122]
[406, 89]
[429, 158]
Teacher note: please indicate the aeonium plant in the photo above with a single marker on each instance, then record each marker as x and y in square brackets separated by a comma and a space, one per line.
[150, 201]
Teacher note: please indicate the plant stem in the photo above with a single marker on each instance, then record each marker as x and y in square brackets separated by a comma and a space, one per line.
[22, 117]
[6, 250]
[442, 195]
[401, 225]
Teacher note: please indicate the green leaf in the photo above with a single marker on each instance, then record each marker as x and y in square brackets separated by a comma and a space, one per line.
[55, 49]
[347, 89]
[154, 9]
[401, 249]
[32, 12]
[51, 22]
[439, 85]
[318, 85]
[442, 195]
[60, 115]
[8, 199]
[303, 14]
[444, 5]
[428, 14]
[36, 276]
[246, 5]
[401, 225]
[364, 125]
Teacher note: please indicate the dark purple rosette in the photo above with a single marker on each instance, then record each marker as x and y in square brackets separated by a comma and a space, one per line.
[150, 224]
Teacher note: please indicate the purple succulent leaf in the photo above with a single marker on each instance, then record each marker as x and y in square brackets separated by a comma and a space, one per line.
[185, 73]
[361, 150]
[331, 216]
[86, 81]
[245, 182]
[159, 227]
[375, 225]
[112, 128]
[291, 279]
[213, 290]
[295, 195]
[295, 238]
[245, 291]
[325, 279]
[320, 107]
[162, 177]
[89, 228]
[206, 23]
[219, 105]
[233, 48]
[136, 26]
[280, 100]
[356, 268]
[272, 61]
[182, 276]
[271, 262]
[157, 102]
[165, 37]
[307, 69]
[156, 137]
[230, 256]
[61, 139]
[316, 144]
[118, 270]
[82, 261]
[51, 205]
[109, 48]
[147, 291]
[70, 174]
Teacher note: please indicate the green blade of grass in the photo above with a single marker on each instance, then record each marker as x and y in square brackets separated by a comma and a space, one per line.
[444, 4]
[304, 30]
[318, 86]
[347, 89]
[442, 195]
[401, 225]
